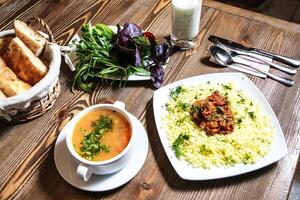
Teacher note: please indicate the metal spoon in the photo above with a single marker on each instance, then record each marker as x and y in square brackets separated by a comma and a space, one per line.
[251, 55]
[224, 58]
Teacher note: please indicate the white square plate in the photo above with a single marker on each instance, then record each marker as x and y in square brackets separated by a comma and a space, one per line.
[185, 170]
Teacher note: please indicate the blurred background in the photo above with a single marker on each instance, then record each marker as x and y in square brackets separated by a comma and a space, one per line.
[288, 10]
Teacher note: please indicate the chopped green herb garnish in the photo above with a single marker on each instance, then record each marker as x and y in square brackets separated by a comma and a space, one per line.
[180, 121]
[226, 87]
[220, 109]
[242, 101]
[91, 144]
[204, 150]
[82, 130]
[252, 115]
[175, 92]
[183, 106]
[215, 115]
[176, 147]
[239, 120]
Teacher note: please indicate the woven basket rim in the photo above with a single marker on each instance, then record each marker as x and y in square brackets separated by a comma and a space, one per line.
[38, 88]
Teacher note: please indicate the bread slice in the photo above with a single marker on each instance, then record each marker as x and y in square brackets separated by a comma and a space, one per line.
[2, 95]
[10, 84]
[4, 42]
[2, 63]
[24, 63]
[33, 39]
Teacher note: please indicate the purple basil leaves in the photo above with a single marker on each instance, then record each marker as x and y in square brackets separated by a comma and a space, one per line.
[131, 51]
[138, 59]
[157, 75]
[131, 30]
[126, 46]
[160, 54]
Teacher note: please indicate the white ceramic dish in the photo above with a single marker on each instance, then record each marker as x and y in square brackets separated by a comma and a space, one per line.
[71, 57]
[186, 171]
[86, 167]
[66, 166]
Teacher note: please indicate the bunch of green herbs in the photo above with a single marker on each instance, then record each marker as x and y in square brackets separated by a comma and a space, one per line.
[98, 57]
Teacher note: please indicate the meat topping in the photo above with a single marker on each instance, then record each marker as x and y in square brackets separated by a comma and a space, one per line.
[213, 114]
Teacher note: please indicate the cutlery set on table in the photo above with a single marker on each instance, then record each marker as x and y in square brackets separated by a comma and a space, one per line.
[229, 53]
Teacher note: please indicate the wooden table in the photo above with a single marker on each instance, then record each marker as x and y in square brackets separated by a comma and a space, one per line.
[27, 169]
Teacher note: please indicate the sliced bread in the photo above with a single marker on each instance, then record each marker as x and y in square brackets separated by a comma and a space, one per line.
[24, 63]
[2, 63]
[33, 39]
[10, 84]
[2, 95]
[4, 42]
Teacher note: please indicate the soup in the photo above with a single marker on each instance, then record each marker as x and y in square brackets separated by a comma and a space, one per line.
[101, 135]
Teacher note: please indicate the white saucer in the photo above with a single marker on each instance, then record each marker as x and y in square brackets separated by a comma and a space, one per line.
[67, 168]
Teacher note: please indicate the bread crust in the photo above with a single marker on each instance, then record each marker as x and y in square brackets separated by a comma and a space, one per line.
[24, 63]
[33, 39]
[10, 84]
[2, 95]
[2, 63]
[4, 43]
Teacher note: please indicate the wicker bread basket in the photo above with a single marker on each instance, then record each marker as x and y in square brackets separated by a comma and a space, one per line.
[41, 97]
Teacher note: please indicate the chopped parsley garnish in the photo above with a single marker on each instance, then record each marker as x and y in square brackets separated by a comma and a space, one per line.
[176, 147]
[91, 144]
[175, 92]
[220, 109]
[204, 150]
[183, 106]
[226, 87]
[239, 120]
[252, 115]
[242, 101]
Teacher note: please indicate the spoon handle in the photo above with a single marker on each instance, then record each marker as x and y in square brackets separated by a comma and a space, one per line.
[285, 81]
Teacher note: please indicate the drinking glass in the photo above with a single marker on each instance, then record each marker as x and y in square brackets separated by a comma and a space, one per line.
[185, 22]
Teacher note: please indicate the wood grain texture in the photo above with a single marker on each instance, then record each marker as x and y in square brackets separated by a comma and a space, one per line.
[26, 160]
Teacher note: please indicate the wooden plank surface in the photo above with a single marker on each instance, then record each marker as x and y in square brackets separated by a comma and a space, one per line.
[26, 160]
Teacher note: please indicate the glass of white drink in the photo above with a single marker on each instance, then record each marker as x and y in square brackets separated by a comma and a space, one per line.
[185, 22]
